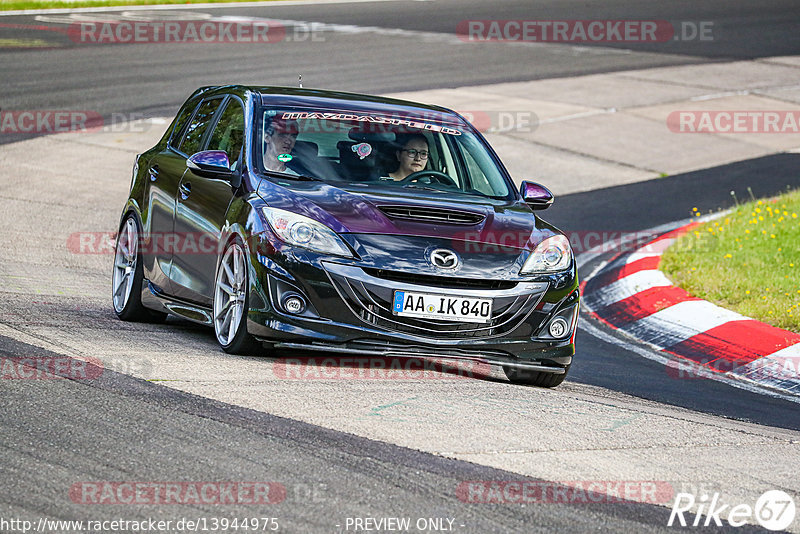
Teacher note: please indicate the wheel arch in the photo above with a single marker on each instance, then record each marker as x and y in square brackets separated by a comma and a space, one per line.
[131, 207]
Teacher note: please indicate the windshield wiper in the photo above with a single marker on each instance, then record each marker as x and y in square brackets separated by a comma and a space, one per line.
[414, 186]
[298, 177]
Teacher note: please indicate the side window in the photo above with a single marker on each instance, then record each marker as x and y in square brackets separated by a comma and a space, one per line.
[180, 124]
[194, 133]
[228, 135]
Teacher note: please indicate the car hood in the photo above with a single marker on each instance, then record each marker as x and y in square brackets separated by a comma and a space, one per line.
[362, 209]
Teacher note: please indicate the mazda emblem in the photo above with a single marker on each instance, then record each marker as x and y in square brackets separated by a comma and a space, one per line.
[444, 259]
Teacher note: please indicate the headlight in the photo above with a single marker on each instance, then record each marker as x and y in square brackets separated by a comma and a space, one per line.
[304, 232]
[551, 255]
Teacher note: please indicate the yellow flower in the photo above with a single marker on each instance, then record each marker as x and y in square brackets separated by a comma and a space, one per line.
[760, 202]
[794, 215]
[728, 256]
[747, 292]
[694, 209]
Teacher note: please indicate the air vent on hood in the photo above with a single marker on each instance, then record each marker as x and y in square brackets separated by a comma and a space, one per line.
[427, 214]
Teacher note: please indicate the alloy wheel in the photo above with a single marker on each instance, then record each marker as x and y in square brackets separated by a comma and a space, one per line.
[125, 264]
[230, 293]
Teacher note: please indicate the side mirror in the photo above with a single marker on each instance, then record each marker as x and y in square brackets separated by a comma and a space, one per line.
[211, 164]
[537, 196]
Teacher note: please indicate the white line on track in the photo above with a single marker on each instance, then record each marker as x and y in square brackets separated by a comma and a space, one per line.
[629, 286]
[688, 366]
[441, 37]
[188, 6]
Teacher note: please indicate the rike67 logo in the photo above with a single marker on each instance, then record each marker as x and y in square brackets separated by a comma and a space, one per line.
[774, 510]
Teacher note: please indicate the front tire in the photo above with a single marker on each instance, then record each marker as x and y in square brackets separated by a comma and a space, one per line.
[534, 378]
[231, 291]
[126, 281]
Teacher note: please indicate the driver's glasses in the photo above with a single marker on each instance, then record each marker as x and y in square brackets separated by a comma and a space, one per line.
[412, 153]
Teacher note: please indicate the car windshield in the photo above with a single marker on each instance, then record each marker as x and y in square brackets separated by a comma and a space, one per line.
[377, 150]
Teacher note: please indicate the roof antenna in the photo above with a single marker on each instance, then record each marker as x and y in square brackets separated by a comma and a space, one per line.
[300, 80]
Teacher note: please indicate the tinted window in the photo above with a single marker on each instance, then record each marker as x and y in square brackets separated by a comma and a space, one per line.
[194, 133]
[180, 124]
[228, 135]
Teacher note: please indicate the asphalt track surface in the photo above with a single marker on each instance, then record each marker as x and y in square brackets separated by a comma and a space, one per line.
[328, 475]
[57, 432]
[154, 79]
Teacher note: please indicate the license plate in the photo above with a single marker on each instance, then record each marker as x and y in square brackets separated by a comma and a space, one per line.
[442, 307]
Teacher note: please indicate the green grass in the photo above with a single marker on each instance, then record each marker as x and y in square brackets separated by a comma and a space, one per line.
[9, 5]
[748, 261]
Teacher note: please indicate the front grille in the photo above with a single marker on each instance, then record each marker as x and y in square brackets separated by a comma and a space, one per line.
[372, 305]
[427, 214]
[440, 281]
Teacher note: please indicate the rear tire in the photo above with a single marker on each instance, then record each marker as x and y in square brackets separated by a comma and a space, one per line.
[231, 297]
[127, 278]
[534, 378]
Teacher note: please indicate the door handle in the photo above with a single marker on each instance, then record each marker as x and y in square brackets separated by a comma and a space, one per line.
[186, 190]
[153, 172]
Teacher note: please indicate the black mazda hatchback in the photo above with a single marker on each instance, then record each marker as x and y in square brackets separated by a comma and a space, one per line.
[325, 221]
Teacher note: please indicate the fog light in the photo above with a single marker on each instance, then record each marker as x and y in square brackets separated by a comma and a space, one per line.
[558, 327]
[294, 304]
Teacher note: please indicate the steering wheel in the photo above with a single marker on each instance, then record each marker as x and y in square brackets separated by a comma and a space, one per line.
[437, 176]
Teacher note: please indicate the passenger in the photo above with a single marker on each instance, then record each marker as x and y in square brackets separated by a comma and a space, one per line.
[412, 157]
[279, 140]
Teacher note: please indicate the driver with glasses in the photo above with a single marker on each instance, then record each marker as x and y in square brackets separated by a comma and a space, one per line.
[412, 157]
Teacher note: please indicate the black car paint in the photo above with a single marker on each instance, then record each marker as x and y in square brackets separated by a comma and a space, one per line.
[275, 267]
